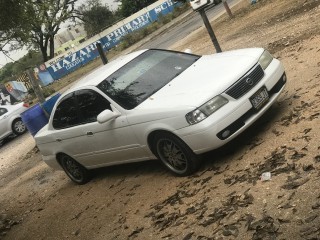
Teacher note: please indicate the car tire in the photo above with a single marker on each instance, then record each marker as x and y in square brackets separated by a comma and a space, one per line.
[74, 170]
[18, 127]
[216, 2]
[175, 154]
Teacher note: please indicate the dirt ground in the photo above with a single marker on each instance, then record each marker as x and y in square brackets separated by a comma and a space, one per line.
[226, 199]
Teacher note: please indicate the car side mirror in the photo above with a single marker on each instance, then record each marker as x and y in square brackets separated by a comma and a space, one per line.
[107, 115]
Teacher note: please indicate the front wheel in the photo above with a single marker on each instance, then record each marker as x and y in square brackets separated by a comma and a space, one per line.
[18, 127]
[176, 155]
[75, 171]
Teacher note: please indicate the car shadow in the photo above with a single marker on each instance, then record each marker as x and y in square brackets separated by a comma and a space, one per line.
[7, 140]
[153, 167]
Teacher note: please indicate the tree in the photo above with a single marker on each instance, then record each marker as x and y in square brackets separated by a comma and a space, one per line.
[38, 22]
[129, 7]
[10, 22]
[95, 16]
[13, 69]
[46, 17]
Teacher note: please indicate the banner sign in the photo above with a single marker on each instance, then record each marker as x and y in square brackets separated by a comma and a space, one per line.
[66, 64]
[74, 60]
[6, 96]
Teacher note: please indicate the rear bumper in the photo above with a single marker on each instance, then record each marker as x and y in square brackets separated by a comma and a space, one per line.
[52, 162]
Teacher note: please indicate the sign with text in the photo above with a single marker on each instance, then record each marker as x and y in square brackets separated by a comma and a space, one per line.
[75, 59]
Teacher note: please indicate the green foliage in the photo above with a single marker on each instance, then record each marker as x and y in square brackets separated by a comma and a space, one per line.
[129, 7]
[96, 16]
[11, 70]
[35, 23]
[11, 20]
[48, 91]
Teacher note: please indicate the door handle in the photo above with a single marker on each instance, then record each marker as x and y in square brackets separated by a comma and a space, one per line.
[89, 133]
[58, 140]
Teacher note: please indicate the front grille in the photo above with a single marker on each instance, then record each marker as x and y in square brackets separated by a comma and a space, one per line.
[245, 83]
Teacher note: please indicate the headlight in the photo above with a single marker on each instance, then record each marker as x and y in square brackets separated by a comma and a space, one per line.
[206, 109]
[265, 59]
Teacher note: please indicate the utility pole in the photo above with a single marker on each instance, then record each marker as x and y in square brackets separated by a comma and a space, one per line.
[35, 86]
[210, 30]
[226, 6]
[101, 53]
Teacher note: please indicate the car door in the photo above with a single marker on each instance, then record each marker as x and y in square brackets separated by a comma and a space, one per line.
[113, 141]
[68, 135]
[3, 122]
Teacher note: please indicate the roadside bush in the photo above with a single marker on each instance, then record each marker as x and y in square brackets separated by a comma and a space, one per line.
[48, 91]
[136, 36]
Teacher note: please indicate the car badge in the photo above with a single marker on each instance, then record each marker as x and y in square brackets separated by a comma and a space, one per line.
[249, 81]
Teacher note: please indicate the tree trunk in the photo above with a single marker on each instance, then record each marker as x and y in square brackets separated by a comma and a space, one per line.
[43, 52]
[43, 45]
[51, 46]
[44, 55]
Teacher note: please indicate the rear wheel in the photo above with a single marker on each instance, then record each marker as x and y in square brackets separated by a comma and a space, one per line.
[75, 171]
[18, 127]
[176, 155]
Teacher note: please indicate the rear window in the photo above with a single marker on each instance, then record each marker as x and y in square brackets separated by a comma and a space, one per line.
[145, 75]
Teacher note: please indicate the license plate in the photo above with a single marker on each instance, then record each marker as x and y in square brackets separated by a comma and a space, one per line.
[260, 98]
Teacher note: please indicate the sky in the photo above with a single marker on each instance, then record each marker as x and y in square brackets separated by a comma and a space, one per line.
[16, 55]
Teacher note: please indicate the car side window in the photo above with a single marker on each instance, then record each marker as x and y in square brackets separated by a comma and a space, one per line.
[91, 104]
[66, 114]
[3, 111]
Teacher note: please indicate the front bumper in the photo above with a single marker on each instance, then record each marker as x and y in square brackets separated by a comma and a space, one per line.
[236, 116]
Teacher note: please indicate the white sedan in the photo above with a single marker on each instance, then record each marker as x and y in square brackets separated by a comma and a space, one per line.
[10, 120]
[159, 104]
[198, 4]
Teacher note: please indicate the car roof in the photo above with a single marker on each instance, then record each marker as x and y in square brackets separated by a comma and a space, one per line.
[101, 73]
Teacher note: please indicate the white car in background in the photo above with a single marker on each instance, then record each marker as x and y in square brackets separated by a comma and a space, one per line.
[10, 120]
[199, 4]
[159, 104]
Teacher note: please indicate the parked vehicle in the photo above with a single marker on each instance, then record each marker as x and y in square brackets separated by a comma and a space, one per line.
[159, 104]
[199, 4]
[10, 120]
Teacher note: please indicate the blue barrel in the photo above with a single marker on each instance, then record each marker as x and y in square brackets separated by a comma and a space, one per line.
[48, 105]
[34, 118]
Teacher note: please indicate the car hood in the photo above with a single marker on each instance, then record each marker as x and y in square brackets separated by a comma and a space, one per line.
[209, 76]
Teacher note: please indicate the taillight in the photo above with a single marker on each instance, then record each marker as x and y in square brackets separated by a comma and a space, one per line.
[26, 105]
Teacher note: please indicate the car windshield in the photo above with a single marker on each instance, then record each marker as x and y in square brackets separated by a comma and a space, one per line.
[145, 75]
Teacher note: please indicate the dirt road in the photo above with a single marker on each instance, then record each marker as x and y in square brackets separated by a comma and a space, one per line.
[226, 199]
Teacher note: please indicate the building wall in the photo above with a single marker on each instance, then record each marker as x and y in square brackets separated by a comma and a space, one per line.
[69, 38]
